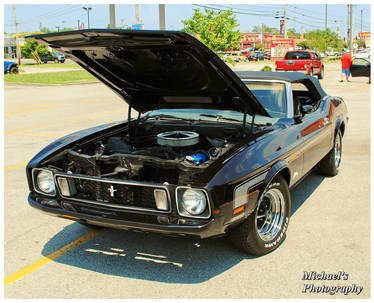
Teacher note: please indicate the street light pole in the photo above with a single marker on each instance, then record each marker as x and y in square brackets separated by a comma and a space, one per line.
[285, 21]
[86, 8]
[17, 41]
[112, 16]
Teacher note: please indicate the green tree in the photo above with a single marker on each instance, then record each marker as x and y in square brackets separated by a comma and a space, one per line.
[45, 30]
[320, 40]
[32, 45]
[214, 29]
[267, 29]
[303, 44]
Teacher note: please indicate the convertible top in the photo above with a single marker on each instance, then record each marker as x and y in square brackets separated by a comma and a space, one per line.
[293, 77]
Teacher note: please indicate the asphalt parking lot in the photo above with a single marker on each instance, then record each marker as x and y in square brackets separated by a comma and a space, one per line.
[46, 257]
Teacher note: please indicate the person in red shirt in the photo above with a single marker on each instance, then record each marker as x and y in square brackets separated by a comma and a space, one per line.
[346, 66]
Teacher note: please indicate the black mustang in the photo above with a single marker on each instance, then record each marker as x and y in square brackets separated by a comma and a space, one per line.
[211, 151]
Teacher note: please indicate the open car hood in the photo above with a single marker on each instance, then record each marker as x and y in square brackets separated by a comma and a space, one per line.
[156, 69]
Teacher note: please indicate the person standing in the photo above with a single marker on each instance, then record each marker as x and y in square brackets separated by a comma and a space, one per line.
[346, 66]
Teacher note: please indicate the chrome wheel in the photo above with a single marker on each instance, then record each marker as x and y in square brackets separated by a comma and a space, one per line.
[270, 214]
[338, 149]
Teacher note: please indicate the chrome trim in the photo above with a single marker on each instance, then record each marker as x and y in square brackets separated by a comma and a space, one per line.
[156, 199]
[192, 216]
[241, 190]
[35, 184]
[271, 214]
[115, 181]
[288, 88]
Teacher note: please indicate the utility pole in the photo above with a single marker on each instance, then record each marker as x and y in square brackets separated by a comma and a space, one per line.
[325, 17]
[79, 24]
[112, 15]
[350, 28]
[137, 14]
[58, 28]
[122, 23]
[262, 33]
[161, 13]
[17, 41]
[40, 26]
[348, 22]
[285, 21]
[361, 21]
[86, 8]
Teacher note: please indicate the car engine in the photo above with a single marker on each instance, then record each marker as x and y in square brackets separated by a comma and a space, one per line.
[152, 151]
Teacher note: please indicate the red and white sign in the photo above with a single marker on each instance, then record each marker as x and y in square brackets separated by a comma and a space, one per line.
[282, 43]
[364, 34]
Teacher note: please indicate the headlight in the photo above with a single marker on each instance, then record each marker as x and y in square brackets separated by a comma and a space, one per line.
[45, 183]
[194, 202]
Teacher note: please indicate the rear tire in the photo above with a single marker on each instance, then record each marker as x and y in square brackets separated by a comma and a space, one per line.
[322, 73]
[264, 230]
[329, 165]
[13, 70]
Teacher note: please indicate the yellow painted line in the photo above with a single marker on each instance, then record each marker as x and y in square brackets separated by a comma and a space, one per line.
[15, 166]
[88, 116]
[362, 88]
[23, 110]
[45, 260]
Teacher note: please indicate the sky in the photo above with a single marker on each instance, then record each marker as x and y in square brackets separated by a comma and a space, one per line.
[303, 17]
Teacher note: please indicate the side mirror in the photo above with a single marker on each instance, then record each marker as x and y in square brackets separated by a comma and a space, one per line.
[307, 109]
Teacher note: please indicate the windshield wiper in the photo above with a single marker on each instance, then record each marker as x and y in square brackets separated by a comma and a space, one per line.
[167, 117]
[219, 117]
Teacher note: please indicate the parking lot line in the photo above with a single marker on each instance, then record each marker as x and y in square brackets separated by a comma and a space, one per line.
[45, 260]
[25, 110]
[64, 121]
[15, 166]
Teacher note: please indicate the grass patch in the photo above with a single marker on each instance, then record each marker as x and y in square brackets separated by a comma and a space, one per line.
[52, 65]
[79, 76]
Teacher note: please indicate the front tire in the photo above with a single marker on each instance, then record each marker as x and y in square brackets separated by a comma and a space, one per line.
[264, 230]
[329, 165]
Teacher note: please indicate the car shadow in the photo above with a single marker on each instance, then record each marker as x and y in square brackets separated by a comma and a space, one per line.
[155, 257]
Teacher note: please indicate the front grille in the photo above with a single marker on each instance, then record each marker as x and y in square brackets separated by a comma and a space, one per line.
[113, 193]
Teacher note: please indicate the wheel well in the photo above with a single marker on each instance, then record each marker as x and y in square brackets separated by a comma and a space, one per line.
[285, 173]
[342, 128]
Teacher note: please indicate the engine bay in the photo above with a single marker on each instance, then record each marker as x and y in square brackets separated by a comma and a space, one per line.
[156, 151]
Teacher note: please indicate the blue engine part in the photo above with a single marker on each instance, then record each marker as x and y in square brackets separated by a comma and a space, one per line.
[197, 158]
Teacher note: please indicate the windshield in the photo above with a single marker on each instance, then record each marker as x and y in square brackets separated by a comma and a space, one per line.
[202, 114]
[271, 95]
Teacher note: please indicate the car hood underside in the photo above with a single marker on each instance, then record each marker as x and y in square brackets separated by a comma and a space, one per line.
[156, 69]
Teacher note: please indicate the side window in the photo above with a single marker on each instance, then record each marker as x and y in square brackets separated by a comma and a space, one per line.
[302, 95]
[360, 61]
[272, 96]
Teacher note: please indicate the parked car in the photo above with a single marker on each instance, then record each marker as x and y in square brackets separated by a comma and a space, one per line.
[264, 55]
[10, 67]
[55, 57]
[361, 68]
[212, 152]
[364, 54]
[245, 54]
[237, 57]
[303, 60]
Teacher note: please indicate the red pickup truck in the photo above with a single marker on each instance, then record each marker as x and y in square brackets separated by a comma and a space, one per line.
[302, 60]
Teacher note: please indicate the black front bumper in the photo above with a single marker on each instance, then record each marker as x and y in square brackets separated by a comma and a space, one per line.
[213, 227]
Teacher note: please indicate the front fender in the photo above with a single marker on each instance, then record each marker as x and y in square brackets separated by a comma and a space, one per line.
[67, 140]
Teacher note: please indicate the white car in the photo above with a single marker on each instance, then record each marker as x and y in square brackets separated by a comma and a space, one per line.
[365, 54]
